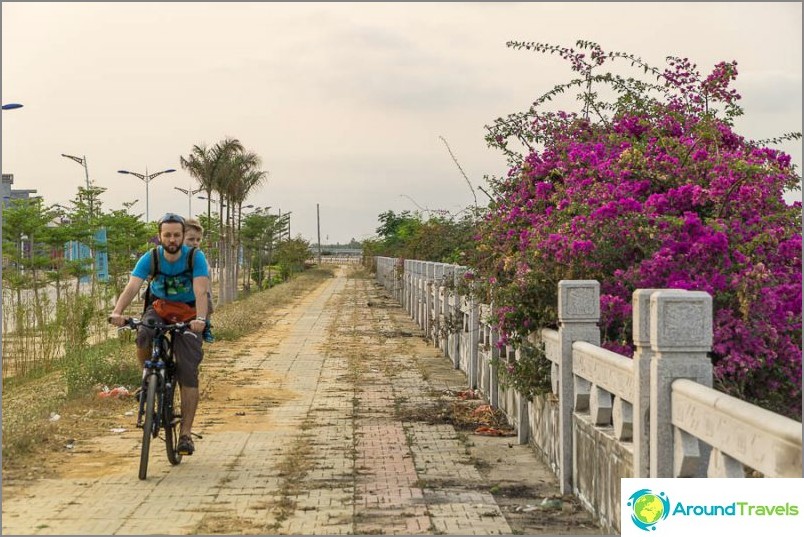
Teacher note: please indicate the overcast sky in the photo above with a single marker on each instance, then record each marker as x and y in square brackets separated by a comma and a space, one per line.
[344, 102]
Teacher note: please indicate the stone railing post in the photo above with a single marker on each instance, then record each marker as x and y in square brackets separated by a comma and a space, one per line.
[578, 315]
[419, 294]
[455, 303]
[474, 342]
[429, 269]
[680, 338]
[438, 276]
[643, 355]
[423, 295]
[406, 285]
[394, 279]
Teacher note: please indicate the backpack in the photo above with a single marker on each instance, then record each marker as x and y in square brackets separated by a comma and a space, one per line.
[147, 298]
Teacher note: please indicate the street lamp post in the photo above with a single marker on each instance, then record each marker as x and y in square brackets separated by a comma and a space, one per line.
[190, 193]
[220, 205]
[147, 178]
[8, 106]
[83, 162]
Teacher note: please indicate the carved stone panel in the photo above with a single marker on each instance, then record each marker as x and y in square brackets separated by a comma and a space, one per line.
[578, 300]
[681, 321]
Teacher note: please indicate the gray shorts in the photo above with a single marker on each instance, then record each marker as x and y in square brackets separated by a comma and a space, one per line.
[187, 349]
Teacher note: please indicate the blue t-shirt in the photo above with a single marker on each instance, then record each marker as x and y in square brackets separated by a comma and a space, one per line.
[173, 282]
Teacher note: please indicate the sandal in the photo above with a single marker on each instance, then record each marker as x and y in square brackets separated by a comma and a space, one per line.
[185, 445]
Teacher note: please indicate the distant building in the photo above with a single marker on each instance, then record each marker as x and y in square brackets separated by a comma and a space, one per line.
[11, 194]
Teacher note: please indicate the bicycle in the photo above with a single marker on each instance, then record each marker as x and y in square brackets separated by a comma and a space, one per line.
[158, 405]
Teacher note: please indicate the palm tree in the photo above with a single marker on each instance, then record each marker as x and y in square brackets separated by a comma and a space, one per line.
[250, 179]
[211, 167]
[239, 177]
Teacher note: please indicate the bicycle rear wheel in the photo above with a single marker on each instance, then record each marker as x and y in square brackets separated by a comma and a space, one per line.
[148, 425]
[172, 420]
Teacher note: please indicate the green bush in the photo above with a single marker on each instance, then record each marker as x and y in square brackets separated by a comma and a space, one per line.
[112, 363]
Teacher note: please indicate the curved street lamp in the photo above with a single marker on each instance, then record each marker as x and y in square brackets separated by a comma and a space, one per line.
[190, 193]
[83, 162]
[147, 178]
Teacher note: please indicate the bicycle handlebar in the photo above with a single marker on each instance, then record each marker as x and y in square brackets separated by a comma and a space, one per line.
[133, 323]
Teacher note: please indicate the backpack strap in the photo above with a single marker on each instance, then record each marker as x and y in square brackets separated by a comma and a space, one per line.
[190, 261]
[154, 263]
[147, 299]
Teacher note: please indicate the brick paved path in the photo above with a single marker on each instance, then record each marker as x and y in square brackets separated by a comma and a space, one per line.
[301, 435]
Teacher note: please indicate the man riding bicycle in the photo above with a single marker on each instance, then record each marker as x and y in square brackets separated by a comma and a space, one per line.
[178, 292]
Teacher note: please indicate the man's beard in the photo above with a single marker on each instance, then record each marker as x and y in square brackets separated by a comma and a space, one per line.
[172, 248]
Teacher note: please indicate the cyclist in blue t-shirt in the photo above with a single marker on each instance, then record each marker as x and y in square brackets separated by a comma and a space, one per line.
[173, 287]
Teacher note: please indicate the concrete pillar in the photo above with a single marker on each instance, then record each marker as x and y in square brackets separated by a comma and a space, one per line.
[473, 339]
[418, 303]
[640, 302]
[494, 355]
[456, 302]
[522, 416]
[406, 286]
[578, 315]
[680, 338]
[438, 281]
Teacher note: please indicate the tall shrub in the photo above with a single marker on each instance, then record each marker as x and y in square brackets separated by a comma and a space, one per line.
[650, 188]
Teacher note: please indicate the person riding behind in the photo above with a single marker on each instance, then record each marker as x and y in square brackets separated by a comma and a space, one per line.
[193, 235]
[179, 295]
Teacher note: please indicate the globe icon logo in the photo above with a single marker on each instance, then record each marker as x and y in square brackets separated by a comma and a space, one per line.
[648, 508]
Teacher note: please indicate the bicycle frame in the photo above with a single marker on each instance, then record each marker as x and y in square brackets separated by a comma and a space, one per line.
[161, 364]
[156, 406]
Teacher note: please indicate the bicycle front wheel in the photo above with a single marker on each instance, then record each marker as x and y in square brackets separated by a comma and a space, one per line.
[172, 419]
[148, 425]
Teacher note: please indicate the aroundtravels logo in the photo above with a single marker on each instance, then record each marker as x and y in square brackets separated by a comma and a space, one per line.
[705, 506]
[648, 508]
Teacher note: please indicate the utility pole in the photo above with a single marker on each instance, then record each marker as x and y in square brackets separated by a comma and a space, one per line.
[318, 224]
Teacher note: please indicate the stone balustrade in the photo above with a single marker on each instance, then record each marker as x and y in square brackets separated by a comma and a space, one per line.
[608, 416]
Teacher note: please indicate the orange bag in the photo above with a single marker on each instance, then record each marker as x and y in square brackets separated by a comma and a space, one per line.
[174, 312]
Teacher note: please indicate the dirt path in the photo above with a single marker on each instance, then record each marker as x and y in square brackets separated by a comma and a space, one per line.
[334, 418]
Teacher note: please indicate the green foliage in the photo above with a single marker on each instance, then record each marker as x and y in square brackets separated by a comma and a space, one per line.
[291, 255]
[111, 363]
[261, 234]
[74, 315]
[24, 227]
[127, 239]
[528, 373]
[442, 237]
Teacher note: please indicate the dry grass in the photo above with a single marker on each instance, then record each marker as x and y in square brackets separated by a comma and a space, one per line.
[294, 467]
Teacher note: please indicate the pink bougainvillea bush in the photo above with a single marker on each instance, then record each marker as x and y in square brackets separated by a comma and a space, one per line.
[651, 189]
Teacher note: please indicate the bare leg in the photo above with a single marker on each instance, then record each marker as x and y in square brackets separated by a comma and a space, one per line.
[189, 402]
